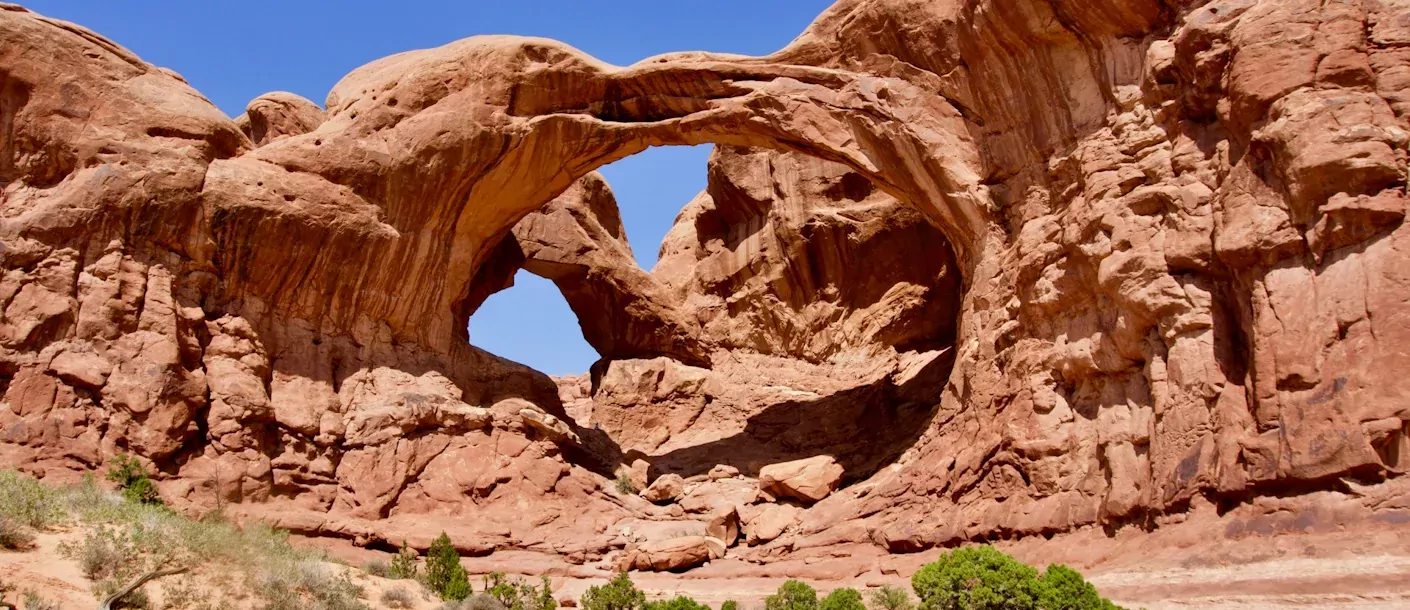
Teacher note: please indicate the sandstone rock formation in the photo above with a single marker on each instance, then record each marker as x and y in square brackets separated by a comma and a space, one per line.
[279, 114]
[809, 479]
[770, 523]
[724, 526]
[664, 489]
[672, 555]
[1022, 266]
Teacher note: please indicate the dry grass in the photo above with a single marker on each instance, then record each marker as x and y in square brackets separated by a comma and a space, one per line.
[217, 561]
[398, 598]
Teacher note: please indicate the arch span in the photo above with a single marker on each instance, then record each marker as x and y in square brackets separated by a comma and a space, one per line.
[428, 158]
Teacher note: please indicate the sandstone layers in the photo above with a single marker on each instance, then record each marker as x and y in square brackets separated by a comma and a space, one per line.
[1018, 266]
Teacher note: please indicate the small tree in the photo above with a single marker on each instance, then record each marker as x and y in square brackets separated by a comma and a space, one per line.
[975, 578]
[458, 587]
[842, 599]
[792, 595]
[519, 595]
[1063, 588]
[134, 480]
[982, 578]
[403, 564]
[504, 592]
[545, 600]
[619, 594]
[890, 597]
[729, 605]
[444, 574]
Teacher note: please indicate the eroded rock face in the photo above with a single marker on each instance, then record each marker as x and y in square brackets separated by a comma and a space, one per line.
[280, 114]
[789, 255]
[1175, 230]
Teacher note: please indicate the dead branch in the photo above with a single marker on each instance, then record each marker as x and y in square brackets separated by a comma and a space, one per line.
[141, 580]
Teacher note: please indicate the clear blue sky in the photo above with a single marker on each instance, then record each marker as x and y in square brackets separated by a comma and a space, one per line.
[234, 51]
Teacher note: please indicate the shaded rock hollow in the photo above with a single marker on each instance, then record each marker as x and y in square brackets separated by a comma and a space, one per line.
[1153, 258]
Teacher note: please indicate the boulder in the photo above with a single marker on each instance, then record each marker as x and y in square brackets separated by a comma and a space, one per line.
[809, 480]
[638, 473]
[673, 555]
[665, 489]
[771, 523]
[81, 369]
[724, 526]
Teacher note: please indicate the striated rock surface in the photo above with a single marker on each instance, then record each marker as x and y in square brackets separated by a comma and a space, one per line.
[1022, 267]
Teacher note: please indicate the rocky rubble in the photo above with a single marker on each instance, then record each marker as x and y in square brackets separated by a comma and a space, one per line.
[1020, 268]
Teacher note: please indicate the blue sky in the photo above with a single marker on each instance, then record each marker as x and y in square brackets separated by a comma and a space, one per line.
[234, 51]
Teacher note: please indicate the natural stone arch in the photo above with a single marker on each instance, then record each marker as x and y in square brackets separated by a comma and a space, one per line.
[429, 157]
[781, 253]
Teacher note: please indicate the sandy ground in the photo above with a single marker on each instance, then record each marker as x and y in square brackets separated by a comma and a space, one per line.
[43, 570]
[1169, 568]
[1176, 567]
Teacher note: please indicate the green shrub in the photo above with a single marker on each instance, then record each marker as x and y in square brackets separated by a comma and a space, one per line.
[458, 587]
[103, 553]
[792, 595]
[976, 578]
[624, 485]
[29, 503]
[403, 564]
[619, 594]
[444, 575]
[890, 597]
[1063, 588]
[729, 605]
[134, 480]
[679, 602]
[544, 600]
[983, 578]
[519, 595]
[842, 599]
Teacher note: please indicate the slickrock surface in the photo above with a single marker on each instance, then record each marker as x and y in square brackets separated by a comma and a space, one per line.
[1025, 268]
